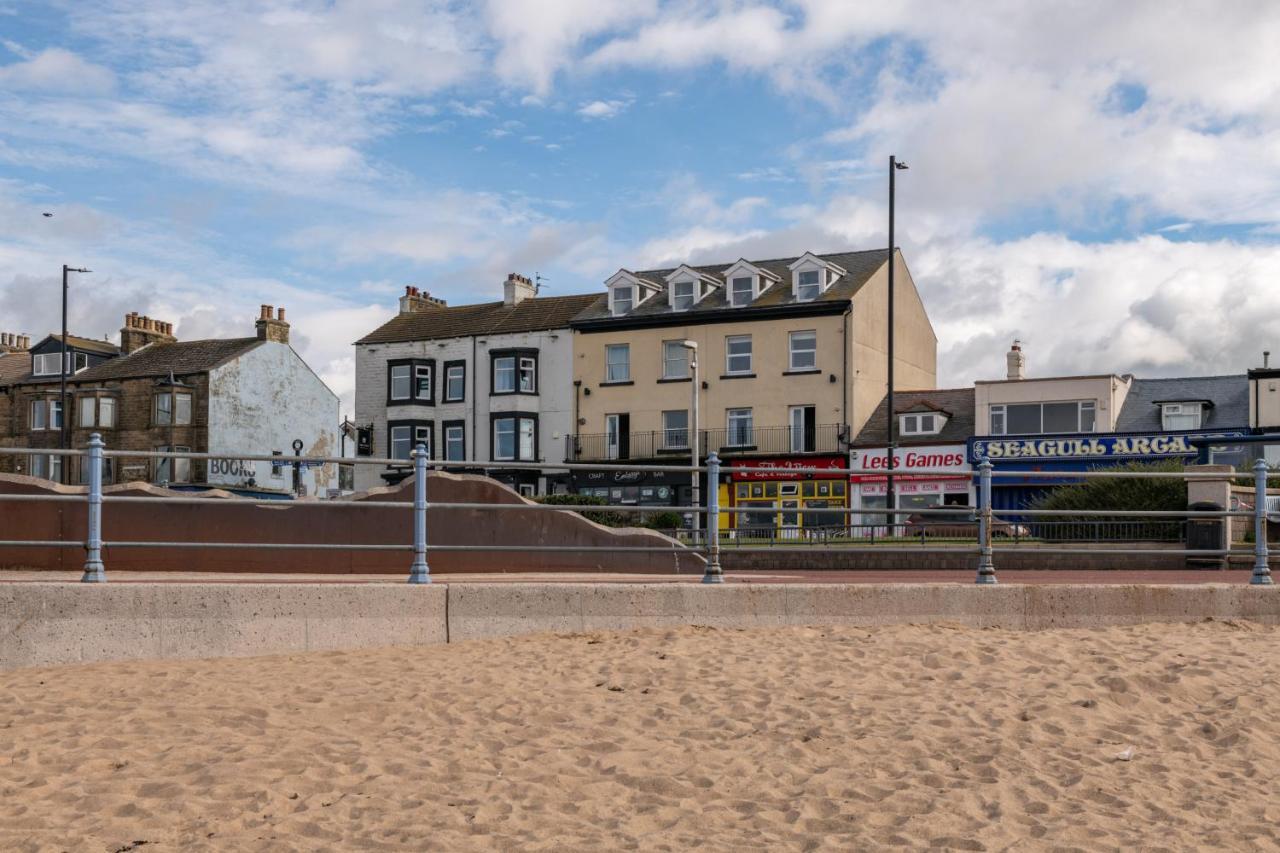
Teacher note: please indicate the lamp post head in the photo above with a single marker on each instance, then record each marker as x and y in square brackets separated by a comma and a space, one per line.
[898, 164]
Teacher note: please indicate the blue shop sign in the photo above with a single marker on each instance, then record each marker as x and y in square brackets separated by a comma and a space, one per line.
[1091, 448]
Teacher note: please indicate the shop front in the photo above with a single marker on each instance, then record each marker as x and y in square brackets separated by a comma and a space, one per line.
[637, 486]
[949, 482]
[778, 499]
[1033, 457]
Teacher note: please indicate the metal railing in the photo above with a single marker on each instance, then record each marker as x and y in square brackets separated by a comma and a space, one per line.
[988, 522]
[651, 444]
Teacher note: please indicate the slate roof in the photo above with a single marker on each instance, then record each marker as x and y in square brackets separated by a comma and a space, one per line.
[957, 402]
[1229, 395]
[182, 358]
[858, 266]
[87, 344]
[486, 318]
[14, 366]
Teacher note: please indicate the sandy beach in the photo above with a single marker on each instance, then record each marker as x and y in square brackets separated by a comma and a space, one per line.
[1156, 737]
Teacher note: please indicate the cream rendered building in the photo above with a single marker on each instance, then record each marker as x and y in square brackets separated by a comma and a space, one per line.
[791, 356]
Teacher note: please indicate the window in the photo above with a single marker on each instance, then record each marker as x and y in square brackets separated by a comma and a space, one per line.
[1180, 416]
[675, 429]
[404, 436]
[808, 285]
[802, 421]
[46, 364]
[737, 354]
[106, 471]
[173, 408]
[919, 424]
[740, 432]
[173, 469]
[623, 298]
[675, 360]
[682, 295]
[423, 435]
[804, 350]
[515, 438]
[46, 414]
[399, 379]
[528, 376]
[617, 362]
[741, 291]
[455, 381]
[613, 436]
[97, 412]
[1042, 418]
[515, 372]
[455, 442]
[47, 467]
[411, 381]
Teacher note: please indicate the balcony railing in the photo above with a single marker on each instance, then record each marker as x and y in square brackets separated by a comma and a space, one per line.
[658, 444]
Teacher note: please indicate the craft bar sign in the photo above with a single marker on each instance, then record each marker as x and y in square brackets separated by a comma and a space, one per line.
[1090, 447]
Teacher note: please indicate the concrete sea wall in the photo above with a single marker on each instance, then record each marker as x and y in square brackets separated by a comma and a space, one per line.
[57, 623]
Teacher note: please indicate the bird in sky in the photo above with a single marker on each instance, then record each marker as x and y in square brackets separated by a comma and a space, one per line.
[48, 215]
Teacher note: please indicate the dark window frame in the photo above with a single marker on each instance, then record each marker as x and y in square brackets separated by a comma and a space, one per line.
[444, 389]
[414, 424]
[444, 438]
[413, 364]
[515, 353]
[494, 417]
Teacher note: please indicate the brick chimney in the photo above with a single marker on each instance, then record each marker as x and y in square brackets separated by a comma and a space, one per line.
[516, 289]
[1017, 361]
[415, 300]
[12, 342]
[271, 326]
[139, 331]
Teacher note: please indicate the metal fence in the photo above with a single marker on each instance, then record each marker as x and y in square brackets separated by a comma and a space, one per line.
[1065, 530]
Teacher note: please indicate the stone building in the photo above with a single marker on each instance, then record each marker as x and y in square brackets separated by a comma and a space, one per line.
[251, 395]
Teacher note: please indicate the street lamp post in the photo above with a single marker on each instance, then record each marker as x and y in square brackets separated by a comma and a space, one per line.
[66, 419]
[890, 496]
[692, 348]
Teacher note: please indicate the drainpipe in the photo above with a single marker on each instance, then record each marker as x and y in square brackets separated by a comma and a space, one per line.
[475, 411]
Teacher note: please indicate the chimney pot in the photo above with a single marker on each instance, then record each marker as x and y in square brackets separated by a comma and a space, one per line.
[280, 315]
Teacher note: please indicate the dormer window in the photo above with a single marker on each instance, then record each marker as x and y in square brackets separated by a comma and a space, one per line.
[921, 423]
[621, 299]
[46, 364]
[808, 285]
[1181, 416]
[682, 295]
[746, 282]
[811, 276]
[742, 291]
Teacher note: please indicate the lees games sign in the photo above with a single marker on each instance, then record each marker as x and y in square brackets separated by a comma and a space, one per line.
[1088, 447]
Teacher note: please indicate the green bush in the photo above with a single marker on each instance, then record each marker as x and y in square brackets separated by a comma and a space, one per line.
[665, 520]
[608, 519]
[1119, 493]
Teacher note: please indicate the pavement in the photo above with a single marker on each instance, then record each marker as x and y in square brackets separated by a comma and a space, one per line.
[965, 576]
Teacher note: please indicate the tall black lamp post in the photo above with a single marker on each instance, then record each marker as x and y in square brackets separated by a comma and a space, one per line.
[66, 417]
[890, 497]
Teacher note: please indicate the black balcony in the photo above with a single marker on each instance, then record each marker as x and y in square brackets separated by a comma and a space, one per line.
[674, 444]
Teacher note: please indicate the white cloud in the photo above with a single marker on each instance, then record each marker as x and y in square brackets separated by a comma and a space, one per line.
[57, 71]
[602, 109]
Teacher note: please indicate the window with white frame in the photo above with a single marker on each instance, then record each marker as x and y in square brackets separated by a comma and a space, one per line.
[455, 442]
[47, 467]
[622, 299]
[455, 382]
[808, 285]
[528, 375]
[46, 364]
[737, 354]
[171, 469]
[682, 295]
[926, 423]
[172, 408]
[515, 372]
[97, 412]
[617, 362]
[399, 379]
[46, 414]
[515, 438]
[422, 381]
[675, 429]
[400, 441]
[504, 374]
[1181, 416]
[1043, 418]
[740, 427]
[803, 348]
[675, 360]
[411, 381]
[741, 291]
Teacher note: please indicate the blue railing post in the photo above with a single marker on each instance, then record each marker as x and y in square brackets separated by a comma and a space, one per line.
[418, 572]
[986, 566]
[714, 573]
[1261, 568]
[93, 569]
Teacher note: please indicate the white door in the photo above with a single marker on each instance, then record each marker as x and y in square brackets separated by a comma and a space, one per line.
[611, 432]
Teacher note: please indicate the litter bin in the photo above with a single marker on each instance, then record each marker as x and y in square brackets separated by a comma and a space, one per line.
[1206, 534]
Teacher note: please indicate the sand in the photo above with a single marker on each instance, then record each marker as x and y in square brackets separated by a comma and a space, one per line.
[787, 739]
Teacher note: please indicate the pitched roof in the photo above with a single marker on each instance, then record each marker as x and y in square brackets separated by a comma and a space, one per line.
[957, 402]
[87, 344]
[178, 357]
[14, 366]
[1228, 394]
[486, 318]
[858, 266]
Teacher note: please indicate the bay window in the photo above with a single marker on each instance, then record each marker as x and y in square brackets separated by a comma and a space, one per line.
[411, 381]
[514, 372]
[515, 437]
[172, 408]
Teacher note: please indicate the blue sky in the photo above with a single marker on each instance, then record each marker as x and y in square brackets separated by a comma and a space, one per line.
[1091, 180]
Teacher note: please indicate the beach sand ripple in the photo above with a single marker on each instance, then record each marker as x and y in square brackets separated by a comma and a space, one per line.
[1161, 737]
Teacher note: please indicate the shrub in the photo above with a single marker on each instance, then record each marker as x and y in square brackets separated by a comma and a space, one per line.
[608, 519]
[665, 520]
[1119, 493]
